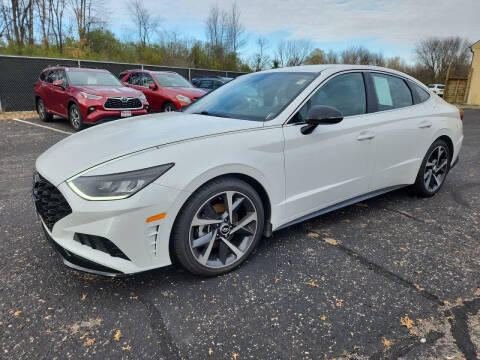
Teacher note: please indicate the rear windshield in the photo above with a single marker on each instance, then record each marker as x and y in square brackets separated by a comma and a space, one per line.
[172, 80]
[92, 78]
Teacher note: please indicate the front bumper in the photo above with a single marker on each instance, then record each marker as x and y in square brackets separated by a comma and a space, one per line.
[99, 115]
[79, 263]
[121, 223]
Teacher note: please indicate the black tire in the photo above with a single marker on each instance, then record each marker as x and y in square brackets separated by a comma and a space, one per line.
[420, 186]
[42, 111]
[168, 107]
[181, 234]
[75, 117]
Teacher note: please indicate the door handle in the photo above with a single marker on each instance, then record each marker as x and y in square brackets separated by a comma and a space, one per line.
[425, 124]
[366, 135]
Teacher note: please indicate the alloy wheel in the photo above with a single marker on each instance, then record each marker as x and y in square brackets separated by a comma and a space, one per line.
[169, 108]
[223, 229]
[41, 109]
[75, 117]
[436, 168]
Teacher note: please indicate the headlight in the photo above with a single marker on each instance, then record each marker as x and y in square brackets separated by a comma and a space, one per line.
[143, 97]
[115, 186]
[184, 99]
[90, 96]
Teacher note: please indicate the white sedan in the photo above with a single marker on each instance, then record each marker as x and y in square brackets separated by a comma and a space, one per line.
[265, 151]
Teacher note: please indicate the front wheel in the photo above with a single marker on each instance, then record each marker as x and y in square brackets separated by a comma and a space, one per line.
[168, 107]
[218, 227]
[434, 169]
[75, 117]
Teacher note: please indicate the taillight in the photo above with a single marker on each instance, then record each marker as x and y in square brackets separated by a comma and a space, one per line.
[461, 113]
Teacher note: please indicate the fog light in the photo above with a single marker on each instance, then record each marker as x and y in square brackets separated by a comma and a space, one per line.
[90, 110]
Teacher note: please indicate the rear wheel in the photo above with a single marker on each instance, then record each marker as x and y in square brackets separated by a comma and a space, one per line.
[434, 169]
[218, 227]
[168, 107]
[75, 117]
[42, 111]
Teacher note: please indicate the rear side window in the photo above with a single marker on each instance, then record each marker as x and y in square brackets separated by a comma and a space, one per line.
[135, 79]
[392, 92]
[51, 77]
[419, 95]
[43, 75]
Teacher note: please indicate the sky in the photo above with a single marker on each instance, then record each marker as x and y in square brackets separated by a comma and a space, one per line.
[390, 27]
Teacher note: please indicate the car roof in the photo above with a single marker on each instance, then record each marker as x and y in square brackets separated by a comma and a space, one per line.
[322, 67]
[72, 68]
[149, 71]
[340, 67]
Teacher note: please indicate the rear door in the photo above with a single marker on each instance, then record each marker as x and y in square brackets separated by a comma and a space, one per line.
[153, 96]
[402, 131]
[59, 95]
[48, 94]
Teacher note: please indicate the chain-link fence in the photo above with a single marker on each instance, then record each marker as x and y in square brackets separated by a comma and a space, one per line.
[18, 74]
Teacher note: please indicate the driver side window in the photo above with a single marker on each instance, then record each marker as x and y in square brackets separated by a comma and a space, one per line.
[344, 92]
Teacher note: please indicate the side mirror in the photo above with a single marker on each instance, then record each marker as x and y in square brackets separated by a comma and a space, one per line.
[58, 83]
[152, 86]
[321, 115]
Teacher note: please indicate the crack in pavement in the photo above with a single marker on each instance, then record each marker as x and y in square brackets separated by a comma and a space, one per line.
[403, 347]
[458, 196]
[380, 270]
[433, 225]
[168, 347]
[459, 327]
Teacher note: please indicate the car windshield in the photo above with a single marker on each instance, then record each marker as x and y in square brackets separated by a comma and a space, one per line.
[92, 78]
[431, 86]
[441, 86]
[172, 80]
[257, 97]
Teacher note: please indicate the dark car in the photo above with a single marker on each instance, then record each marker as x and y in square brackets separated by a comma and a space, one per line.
[165, 90]
[210, 83]
[85, 96]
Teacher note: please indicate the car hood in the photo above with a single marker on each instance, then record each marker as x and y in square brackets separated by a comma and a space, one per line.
[110, 90]
[102, 143]
[190, 92]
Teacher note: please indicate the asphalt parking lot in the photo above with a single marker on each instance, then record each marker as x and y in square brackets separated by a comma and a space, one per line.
[393, 277]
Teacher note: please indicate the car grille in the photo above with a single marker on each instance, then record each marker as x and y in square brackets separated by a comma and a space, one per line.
[49, 201]
[100, 243]
[122, 103]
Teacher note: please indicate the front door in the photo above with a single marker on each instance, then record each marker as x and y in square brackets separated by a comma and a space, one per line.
[335, 162]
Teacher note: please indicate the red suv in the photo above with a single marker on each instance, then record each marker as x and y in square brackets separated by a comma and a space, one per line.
[85, 96]
[165, 91]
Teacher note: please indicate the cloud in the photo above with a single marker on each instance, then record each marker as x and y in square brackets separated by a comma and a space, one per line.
[396, 22]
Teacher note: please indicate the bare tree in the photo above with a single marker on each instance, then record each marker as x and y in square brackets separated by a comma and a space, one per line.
[437, 54]
[18, 21]
[215, 26]
[331, 57]
[145, 23]
[293, 52]
[235, 31]
[260, 59]
[86, 14]
[57, 9]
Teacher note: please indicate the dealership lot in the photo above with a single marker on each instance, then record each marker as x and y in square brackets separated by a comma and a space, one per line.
[395, 276]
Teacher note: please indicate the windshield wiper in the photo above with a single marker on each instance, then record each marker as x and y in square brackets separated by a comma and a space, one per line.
[212, 114]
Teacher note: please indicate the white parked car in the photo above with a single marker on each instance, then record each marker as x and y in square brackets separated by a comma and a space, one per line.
[437, 89]
[262, 152]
